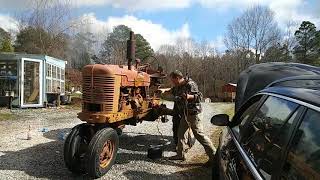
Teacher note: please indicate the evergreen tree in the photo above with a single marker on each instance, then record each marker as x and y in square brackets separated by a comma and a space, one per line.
[115, 46]
[143, 48]
[277, 53]
[307, 49]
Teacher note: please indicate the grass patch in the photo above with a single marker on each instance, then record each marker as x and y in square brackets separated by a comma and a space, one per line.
[7, 116]
[76, 104]
[75, 95]
[72, 106]
[230, 112]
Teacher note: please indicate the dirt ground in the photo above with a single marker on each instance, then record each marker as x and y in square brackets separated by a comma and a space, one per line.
[41, 157]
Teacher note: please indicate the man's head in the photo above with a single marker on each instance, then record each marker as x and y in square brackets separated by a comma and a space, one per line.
[176, 78]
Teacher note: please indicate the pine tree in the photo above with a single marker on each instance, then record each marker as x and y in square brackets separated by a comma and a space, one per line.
[307, 49]
[115, 46]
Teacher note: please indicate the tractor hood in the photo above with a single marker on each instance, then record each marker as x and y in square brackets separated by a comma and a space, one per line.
[131, 77]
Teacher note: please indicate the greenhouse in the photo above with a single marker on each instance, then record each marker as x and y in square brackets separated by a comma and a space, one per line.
[28, 80]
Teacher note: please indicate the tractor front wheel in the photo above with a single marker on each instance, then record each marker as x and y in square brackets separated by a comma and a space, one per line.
[75, 147]
[102, 152]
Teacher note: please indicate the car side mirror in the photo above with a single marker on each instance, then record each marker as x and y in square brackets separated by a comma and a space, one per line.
[220, 120]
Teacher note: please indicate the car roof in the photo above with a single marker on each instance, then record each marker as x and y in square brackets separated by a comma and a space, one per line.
[311, 96]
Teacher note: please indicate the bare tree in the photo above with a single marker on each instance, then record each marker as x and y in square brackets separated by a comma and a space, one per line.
[255, 30]
[289, 38]
[50, 22]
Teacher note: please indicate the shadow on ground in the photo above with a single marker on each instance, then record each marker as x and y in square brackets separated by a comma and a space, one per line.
[46, 160]
[41, 161]
[194, 173]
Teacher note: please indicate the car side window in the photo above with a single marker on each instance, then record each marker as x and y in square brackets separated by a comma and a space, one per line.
[263, 137]
[303, 160]
[246, 115]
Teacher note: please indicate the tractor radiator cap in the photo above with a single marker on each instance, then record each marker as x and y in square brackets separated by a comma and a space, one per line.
[155, 152]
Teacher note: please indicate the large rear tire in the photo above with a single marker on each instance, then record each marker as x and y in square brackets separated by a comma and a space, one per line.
[102, 152]
[75, 147]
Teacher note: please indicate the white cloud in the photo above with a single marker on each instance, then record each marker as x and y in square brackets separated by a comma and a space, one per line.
[8, 23]
[133, 5]
[285, 10]
[130, 5]
[155, 34]
[227, 4]
[292, 10]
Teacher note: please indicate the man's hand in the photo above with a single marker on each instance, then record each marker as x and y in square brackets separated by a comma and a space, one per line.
[164, 90]
[190, 96]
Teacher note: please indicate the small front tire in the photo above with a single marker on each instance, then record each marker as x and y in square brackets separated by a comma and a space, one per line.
[102, 152]
[75, 147]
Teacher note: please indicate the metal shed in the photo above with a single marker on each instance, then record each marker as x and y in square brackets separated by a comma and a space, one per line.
[29, 79]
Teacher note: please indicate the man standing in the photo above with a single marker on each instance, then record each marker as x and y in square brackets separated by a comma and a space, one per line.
[187, 104]
[175, 123]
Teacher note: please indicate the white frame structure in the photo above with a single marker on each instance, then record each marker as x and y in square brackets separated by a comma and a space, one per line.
[40, 104]
[59, 77]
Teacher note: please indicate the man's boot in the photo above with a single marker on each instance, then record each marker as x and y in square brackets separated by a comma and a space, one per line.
[177, 158]
[209, 163]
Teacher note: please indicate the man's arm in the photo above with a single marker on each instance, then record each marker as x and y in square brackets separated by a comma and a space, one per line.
[194, 94]
[166, 93]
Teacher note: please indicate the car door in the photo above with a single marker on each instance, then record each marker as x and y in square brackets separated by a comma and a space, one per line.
[232, 165]
[263, 137]
[302, 160]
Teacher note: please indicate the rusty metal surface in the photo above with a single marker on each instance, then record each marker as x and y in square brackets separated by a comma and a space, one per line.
[128, 77]
[100, 117]
[106, 154]
[131, 49]
[98, 89]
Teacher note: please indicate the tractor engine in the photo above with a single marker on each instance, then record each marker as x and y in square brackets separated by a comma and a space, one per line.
[113, 93]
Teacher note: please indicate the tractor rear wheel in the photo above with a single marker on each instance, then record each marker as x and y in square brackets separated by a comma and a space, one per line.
[75, 147]
[102, 152]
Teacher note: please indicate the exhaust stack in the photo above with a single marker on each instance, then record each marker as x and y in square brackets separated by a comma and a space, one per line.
[131, 49]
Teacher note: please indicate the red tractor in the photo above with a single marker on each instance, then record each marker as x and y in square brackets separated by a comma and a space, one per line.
[113, 96]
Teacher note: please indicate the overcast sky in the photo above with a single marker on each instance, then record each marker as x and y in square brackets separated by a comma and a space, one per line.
[162, 22]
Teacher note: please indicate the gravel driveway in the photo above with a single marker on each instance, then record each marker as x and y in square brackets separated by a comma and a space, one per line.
[41, 157]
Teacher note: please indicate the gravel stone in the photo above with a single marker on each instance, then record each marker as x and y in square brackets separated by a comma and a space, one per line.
[41, 157]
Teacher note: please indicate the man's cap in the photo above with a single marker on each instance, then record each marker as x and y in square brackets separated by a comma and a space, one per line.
[176, 73]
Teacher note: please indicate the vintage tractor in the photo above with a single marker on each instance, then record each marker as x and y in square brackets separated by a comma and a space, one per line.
[113, 96]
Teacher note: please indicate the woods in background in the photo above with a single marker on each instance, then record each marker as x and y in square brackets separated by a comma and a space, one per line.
[253, 37]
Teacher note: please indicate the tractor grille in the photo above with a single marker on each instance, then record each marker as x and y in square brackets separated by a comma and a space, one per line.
[98, 90]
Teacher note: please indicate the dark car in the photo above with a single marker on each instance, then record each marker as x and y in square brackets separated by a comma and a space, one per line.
[275, 134]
